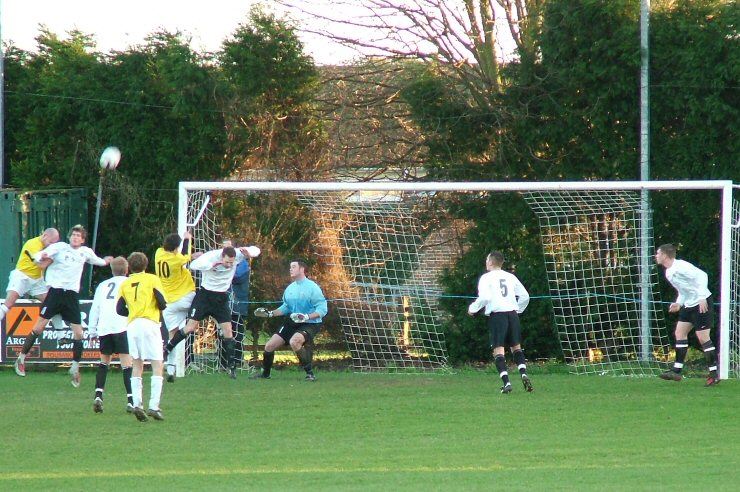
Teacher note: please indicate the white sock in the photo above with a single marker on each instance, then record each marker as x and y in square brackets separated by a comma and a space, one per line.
[75, 366]
[156, 394]
[136, 390]
[3, 310]
[57, 321]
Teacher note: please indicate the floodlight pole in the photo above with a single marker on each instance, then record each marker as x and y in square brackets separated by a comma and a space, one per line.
[646, 216]
[95, 227]
[3, 177]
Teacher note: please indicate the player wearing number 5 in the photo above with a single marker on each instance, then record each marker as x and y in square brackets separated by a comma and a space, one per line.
[177, 281]
[503, 297]
[304, 301]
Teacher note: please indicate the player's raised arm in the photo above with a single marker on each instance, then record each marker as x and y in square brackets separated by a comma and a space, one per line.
[206, 261]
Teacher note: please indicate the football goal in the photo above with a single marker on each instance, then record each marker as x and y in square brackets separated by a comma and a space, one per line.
[382, 247]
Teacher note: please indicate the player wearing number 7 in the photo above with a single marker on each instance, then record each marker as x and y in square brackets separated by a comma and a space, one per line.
[304, 301]
[141, 299]
[504, 297]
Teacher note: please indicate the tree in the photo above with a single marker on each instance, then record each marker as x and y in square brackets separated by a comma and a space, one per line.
[565, 108]
[270, 85]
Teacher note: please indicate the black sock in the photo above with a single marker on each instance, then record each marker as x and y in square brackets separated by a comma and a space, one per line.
[30, 340]
[682, 348]
[520, 361]
[503, 370]
[178, 337]
[127, 371]
[229, 346]
[710, 354]
[100, 378]
[305, 357]
[76, 350]
[268, 357]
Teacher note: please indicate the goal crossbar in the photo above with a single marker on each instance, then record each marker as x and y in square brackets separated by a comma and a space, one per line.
[723, 186]
[185, 186]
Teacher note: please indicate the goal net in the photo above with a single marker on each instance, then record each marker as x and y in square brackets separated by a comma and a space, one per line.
[592, 249]
[733, 351]
[381, 250]
[380, 266]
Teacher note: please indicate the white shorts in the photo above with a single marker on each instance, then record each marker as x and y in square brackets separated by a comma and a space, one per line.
[24, 285]
[144, 339]
[176, 313]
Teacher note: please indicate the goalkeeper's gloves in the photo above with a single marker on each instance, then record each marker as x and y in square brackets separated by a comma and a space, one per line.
[299, 317]
[263, 313]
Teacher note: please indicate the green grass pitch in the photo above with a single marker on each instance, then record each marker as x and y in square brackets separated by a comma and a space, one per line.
[373, 432]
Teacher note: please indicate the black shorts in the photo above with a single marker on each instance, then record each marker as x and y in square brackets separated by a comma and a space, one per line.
[701, 321]
[209, 303]
[63, 302]
[504, 329]
[115, 343]
[290, 328]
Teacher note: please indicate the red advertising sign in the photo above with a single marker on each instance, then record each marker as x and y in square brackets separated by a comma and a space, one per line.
[17, 326]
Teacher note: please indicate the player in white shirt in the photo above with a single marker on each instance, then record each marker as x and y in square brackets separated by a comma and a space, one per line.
[109, 327]
[63, 276]
[503, 298]
[217, 269]
[694, 307]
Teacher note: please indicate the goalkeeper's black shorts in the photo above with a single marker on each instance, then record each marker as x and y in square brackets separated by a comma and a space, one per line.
[290, 328]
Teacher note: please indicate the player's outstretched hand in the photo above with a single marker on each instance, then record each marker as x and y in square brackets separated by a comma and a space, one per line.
[262, 313]
[299, 317]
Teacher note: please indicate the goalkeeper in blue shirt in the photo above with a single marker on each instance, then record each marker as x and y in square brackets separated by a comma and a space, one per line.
[305, 304]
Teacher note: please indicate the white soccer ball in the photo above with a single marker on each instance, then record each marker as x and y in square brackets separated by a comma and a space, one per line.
[110, 158]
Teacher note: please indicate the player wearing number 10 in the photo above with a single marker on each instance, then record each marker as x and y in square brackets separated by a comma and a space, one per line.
[178, 285]
[503, 296]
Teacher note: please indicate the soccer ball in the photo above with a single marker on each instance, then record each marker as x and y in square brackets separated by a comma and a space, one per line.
[110, 158]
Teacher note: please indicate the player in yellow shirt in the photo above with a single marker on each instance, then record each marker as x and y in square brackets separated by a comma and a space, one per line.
[179, 289]
[28, 276]
[142, 301]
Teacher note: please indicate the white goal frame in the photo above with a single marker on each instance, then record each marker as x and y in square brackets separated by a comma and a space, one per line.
[723, 186]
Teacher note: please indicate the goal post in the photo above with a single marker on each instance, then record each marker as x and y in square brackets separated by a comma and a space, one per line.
[727, 223]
